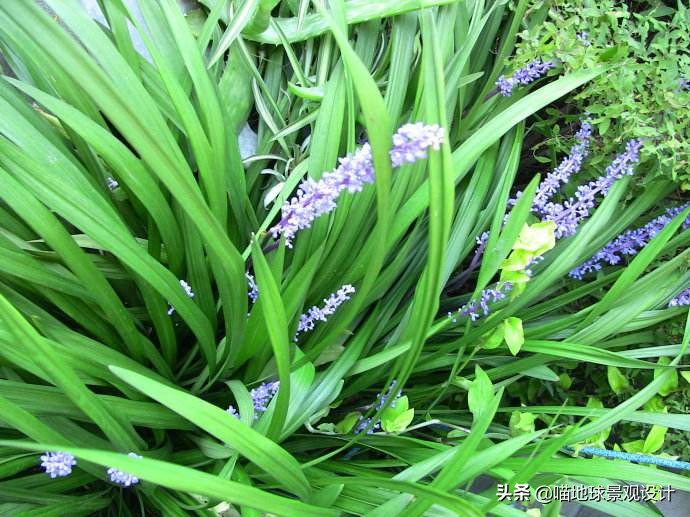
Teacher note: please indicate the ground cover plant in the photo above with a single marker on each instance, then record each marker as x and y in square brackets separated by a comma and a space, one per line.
[355, 313]
[644, 95]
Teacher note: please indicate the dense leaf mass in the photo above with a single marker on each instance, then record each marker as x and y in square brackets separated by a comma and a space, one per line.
[298, 258]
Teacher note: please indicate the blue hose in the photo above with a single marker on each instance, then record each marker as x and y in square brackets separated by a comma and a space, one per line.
[637, 458]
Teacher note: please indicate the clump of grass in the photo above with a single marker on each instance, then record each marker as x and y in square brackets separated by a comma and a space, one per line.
[155, 275]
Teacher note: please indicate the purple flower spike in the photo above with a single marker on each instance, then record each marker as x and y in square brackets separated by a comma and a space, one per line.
[253, 292]
[476, 309]
[187, 290]
[307, 321]
[628, 243]
[623, 165]
[570, 165]
[412, 142]
[363, 424]
[525, 75]
[58, 464]
[315, 198]
[583, 38]
[570, 214]
[111, 183]
[383, 397]
[122, 478]
[682, 300]
[261, 398]
[263, 394]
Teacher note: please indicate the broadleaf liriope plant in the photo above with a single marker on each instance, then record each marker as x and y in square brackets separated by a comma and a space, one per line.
[189, 326]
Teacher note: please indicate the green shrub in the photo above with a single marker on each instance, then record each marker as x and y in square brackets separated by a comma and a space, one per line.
[642, 93]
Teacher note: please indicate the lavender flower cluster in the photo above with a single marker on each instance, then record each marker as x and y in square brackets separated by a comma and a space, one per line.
[682, 300]
[263, 394]
[261, 398]
[363, 423]
[476, 309]
[551, 184]
[59, 464]
[567, 216]
[111, 183]
[315, 198]
[412, 142]
[381, 399]
[571, 164]
[583, 38]
[307, 321]
[123, 478]
[187, 290]
[684, 83]
[525, 75]
[628, 243]
[253, 291]
[572, 212]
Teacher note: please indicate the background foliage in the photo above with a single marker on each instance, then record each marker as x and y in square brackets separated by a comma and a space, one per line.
[644, 95]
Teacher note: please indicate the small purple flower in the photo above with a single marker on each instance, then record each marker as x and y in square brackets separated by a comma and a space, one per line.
[570, 165]
[58, 464]
[572, 212]
[583, 38]
[684, 83]
[315, 198]
[460, 280]
[412, 142]
[682, 300]
[187, 290]
[535, 260]
[261, 398]
[111, 183]
[383, 397]
[253, 292]
[363, 424]
[525, 75]
[628, 243]
[476, 309]
[541, 205]
[263, 394]
[122, 478]
[307, 321]
[482, 239]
